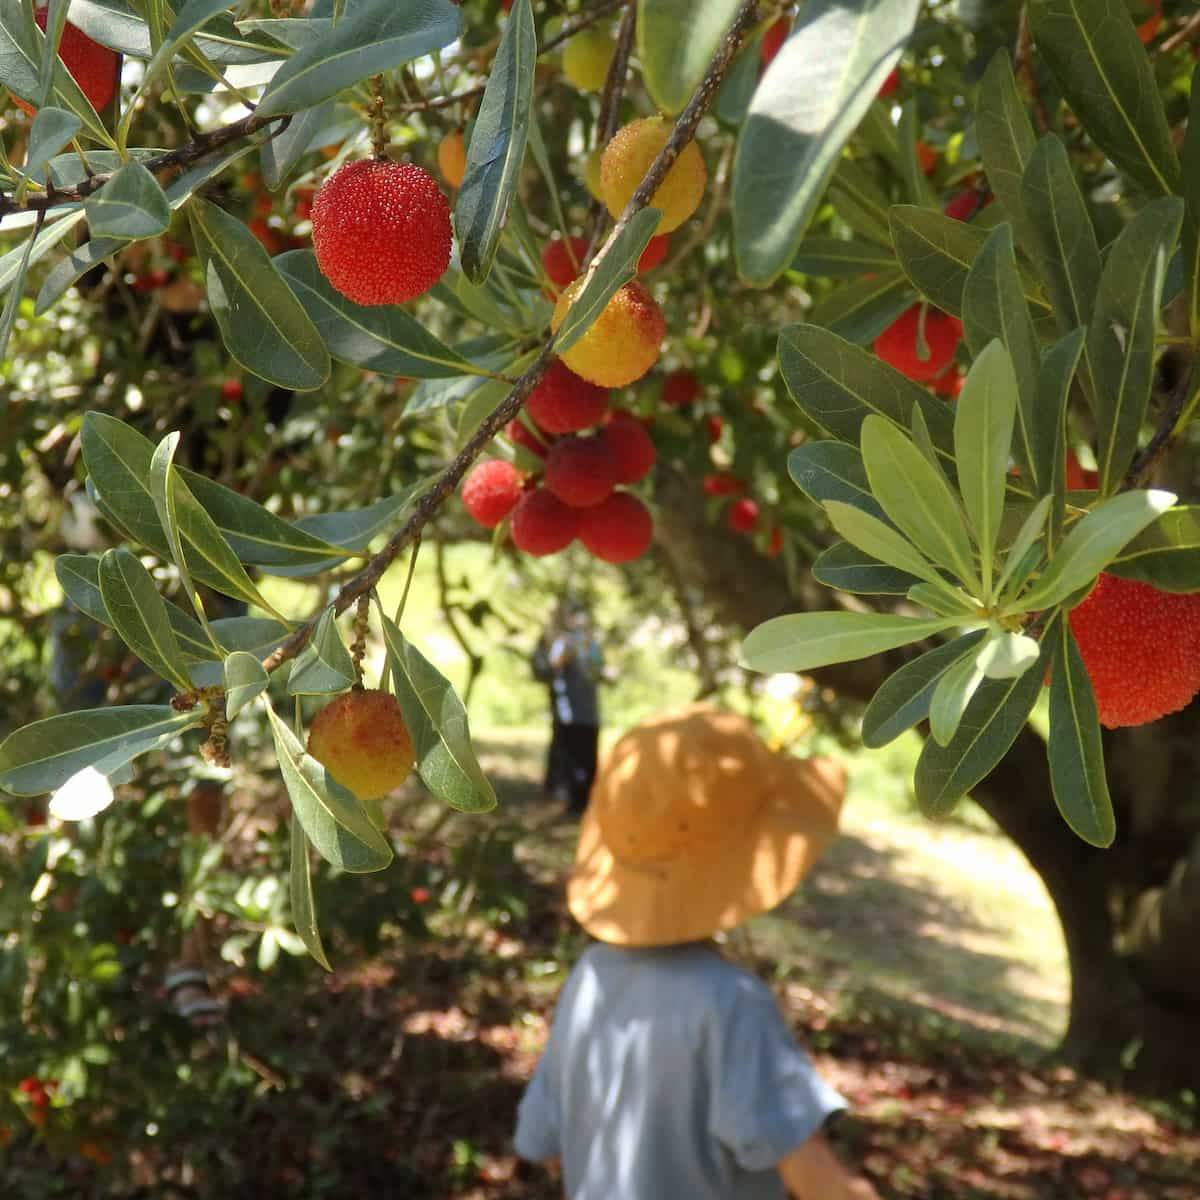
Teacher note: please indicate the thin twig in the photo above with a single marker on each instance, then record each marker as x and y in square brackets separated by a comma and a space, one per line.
[1190, 29]
[1168, 426]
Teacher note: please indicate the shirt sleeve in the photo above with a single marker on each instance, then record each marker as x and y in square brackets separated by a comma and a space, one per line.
[766, 1098]
[537, 1136]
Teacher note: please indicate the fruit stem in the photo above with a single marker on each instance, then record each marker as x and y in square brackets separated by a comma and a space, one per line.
[378, 118]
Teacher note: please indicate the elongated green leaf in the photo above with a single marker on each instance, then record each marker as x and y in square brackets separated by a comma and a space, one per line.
[944, 600]
[282, 152]
[244, 680]
[1166, 554]
[1005, 137]
[382, 338]
[52, 129]
[438, 724]
[8, 317]
[996, 714]
[861, 310]
[810, 100]
[14, 264]
[848, 569]
[805, 641]
[42, 756]
[838, 384]
[68, 270]
[833, 471]
[332, 816]
[904, 697]
[1095, 56]
[840, 258]
[951, 695]
[377, 36]
[1093, 542]
[983, 434]
[355, 528]
[193, 14]
[497, 146]
[324, 666]
[858, 200]
[878, 540]
[52, 30]
[1074, 748]
[1055, 377]
[139, 615]
[1191, 196]
[304, 908]
[675, 40]
[258, 636]
[1120, 339]
[129, 205]
[263, 325]
[917, 499]
[1031, 529]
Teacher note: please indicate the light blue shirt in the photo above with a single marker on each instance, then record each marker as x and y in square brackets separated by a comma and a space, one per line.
[670, 1073]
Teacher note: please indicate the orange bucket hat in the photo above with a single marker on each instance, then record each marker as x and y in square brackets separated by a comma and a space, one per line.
[694, 825]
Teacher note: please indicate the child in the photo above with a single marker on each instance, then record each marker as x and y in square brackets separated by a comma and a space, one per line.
[669, 1073]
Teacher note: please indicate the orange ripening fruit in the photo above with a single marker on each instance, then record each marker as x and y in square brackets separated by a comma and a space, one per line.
[623, 342]
[1141, 649]
[381, 231]
[452, 158]
[626, 160]
[586, 58]
[360, 738]
[591, 173]
[95, 68]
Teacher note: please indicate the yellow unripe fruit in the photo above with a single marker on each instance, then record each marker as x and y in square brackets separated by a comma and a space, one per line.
[623, 342]
[626, 160]
[591, 174]
[586, 58]
[360, 738]
[452, 158]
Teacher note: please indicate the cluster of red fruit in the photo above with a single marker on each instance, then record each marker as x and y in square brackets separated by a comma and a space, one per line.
[589, 451]
[38, 1094]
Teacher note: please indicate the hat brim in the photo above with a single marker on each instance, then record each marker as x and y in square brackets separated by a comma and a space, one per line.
[698, 894]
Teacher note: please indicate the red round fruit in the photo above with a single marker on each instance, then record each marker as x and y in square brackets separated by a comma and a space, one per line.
[632, 447]
[774, 38]
[95, 68]
[967, 204]
[655, 251]
[563, 403]
[679, 388]
[890, 84]
[562, 259]
[714, 425]
[521, 435]
[580, 471]
[742, 515]
[419, 895]
[723, 484]
[897, 344]
[618, 530]
[491, 491]
[232, 390]
[381, 231]
[543, 524]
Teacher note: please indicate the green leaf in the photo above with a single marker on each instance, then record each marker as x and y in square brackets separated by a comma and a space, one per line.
[1093, 52]
[983, 434]
[1055, 377]
[1074, 747]
[382, 338]
[8, 317]
[996, 714]
[1092, 543]
[244, 680]
[1120, 339]
[944, 600]
[324, 667]
[848, 569]
[860, 311]
[68, 270]
[903, 698]
[280, 154]
[193, 14]
[52, 129]
[602, 282]
[376, 36]
[438, 725]
[355, 528]
[805, 641]
[676, 39]
[263, 325]
[56, 20]
[806, 106]
[1005, 137]
[879, 540]
[1022, 544]
[858, 200]
[1166, 554]
[14, 264]
[833, 471]
[917, 498]
[840, 258]
[951, 695]
[304, 909]
[332, 816]
[908, 131]
[129, 205]
[41, 757]
[1191, 196]
[139, 615]
[258, 636]
[497, 146]
[838, 384]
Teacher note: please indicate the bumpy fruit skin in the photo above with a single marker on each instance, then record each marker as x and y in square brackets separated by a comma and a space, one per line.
[897, 344]
[655, 251]
[521, 435]
[491, 491]
[626, 160]
[542, 524]
[94, 67]
[452, 158]
[586, 58]
[618, 530]
[580, 471]
[381, 231]
[742, 515]
[562, 259]
[679, 389]
[631, 446]
[773, 39]
[1141, 648]
[360, 738]
[592, 179]
[623, 342]
[564, 403]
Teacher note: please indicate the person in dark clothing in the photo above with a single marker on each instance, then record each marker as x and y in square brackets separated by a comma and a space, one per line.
[568, 659]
